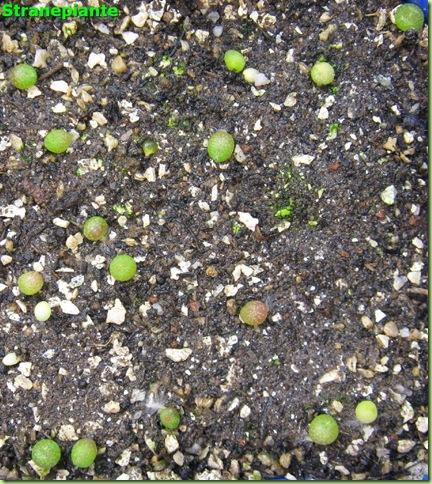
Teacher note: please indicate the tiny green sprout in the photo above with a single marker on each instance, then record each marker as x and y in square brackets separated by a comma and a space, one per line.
[84, 453]
[253, 313]
[338, 46]
[169, 418]
[42, 311]
[366, 412]
[23, 76]
[322, 73]
[335, 89]
[236, 228]
[150, 147]
[58, 141]
[124, 209]
[172, 121]
[95, 228]
[409, 17]
[30, 283]
[123, 267]
[166, 61]
[312, 223]
[46, 453]
[284, 212]
[220, 146]
[323, 429]
[234, 61]
[179, 70]
[275, 361]
[333, 130]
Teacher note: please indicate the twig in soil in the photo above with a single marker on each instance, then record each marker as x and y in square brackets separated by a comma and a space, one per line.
[50, 73]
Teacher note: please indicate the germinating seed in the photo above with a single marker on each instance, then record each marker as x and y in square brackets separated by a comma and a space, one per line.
[234, 61]
[30, 283]
[58, 141]
[46, 453]
[150, 147]
[169, 418]
[95, 228]
[220, 146]
[409, 17]
[366, 412]
[42, 311]
[23, 76]
[123, 267]
[84, 453]
[254, 313]
[322, 73]
[323, 429]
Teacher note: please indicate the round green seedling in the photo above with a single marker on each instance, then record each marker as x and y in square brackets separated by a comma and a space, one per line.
[322, 73]
[150, 147]
[254, 313]
[323, 429]
[409, 17]
[46, 453]
[84, 453]
[123, 267]
[42, 311]
[95, 228]
[366, 412]
[220, 146]
[169, 418]
[30, 283]
[23, 76]
[234, 60]
[58, 141]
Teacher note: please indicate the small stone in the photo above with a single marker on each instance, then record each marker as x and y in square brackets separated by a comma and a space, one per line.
[11, 359]
[247, 219]
[390, 144]
[334, 375]
[67, 433]
[391, 330]
[117, 314]
[399, 282]
[171, 443]
[25, 368]
[422, 424]
[405, 446]
[69, 307]
[285, 460]
[178, 355]
[129, 37]
[414, 277]
[302, 159]
[245, 411]
[179, 458]
[388, 195]
[217, 30]
[118, 65]
[59, 86]
[379, 315]
[366, 322]
[291, 100]
[96, 60]
[23, 382]
[111, 407]
[382, 340]
[124, 458]
[138, 395]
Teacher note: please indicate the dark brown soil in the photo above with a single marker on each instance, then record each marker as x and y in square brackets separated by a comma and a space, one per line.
[319, 279]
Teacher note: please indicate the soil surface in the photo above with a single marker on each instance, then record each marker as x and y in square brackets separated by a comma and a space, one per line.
[344, 276]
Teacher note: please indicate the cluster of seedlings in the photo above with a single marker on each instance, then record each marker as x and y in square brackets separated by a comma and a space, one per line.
[46, 453]
[323, 429]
